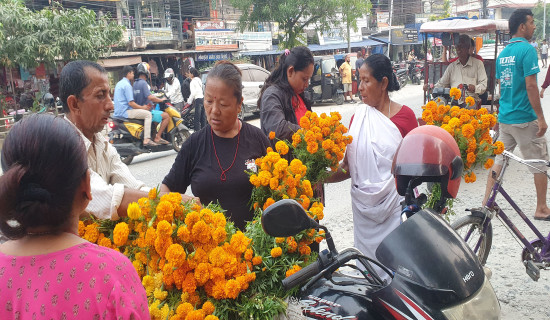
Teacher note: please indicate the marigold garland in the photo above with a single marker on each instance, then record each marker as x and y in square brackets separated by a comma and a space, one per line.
[470, 128]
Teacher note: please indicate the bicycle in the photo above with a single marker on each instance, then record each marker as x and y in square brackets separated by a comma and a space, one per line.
[477, 230]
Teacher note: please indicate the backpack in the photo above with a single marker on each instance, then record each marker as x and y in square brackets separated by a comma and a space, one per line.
[186, 88]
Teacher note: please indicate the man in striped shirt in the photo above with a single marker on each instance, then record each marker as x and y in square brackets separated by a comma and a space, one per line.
[85, 93]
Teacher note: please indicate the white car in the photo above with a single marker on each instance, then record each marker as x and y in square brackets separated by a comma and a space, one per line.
[253, 80]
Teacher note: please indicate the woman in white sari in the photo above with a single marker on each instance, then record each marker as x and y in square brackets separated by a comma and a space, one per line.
[377, 127]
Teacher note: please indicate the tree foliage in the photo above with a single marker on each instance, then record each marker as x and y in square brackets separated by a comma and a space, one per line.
[292, 16]
[351, 11]
[29, 38]
[538, 16]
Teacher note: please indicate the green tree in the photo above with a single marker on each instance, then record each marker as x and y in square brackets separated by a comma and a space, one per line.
[351, 11]
[446, 11]
[538, 12]
[33, 37]
[292, 16]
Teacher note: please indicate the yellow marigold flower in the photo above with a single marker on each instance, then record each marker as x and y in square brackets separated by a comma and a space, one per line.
[281, 147]
[152, 194]
[219, 235]
[272, 135]
[499, 147]
[455, 93]
[165, 211]
[489, 163]
[279, 240]
[448, 128]
[454, 122]
[217, 257]
[134, 211]
[292, 192]
[257, 260]
[293, 270]
[91, 233]
[469, 101]
[427, 116]
[219, 220]
[120, 234]
[276, 252]
[471, 157]
[268, 202]
[468, 130]
[233, 287]
[208, 307]
[148, 283]
[160, 294]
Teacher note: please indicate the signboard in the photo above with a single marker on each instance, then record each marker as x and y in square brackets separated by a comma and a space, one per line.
[337, 36]
[215, 40]
[383, 18]
[214, 56]
[410, 35]
[209, 25]
[157, 34]
[255, 41]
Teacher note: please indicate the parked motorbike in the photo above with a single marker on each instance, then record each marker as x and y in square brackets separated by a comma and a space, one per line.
[416, 71]
[126, 135]
[401, 73]
[432, 273]
[188, 116]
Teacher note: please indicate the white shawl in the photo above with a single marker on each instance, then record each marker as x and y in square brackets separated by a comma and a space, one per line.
[375, 201]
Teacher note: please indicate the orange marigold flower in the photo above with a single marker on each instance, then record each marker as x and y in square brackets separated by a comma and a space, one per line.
[276, 252]
[91, 233]
[175, 255]
[292, 244]
[120, 234]
[232, 288]
[499, 147]
[184, 234]
[304, 250]
[468, 130]
[471, 157]
[196, 315]
[219, 235]
[248, 254]
[489, 163]
[279, 240]
[469, 101]
[305, 123]
[165, 211]
[189, 285]
[257, 260]
[105, 242]
[202, 273]
[272, 135]
[268, 202]
[455, 93]
[192, 218]
[208, 307]
[293, 270]
[281, 147]
[201, 232]
[81, 228]
[184, 309]
[152, 194]
[239, 242]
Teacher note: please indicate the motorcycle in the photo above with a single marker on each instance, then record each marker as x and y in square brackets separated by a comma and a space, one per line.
[188, 116]
[426, 270]
[416, 72]
[126, 135]
[401, 73]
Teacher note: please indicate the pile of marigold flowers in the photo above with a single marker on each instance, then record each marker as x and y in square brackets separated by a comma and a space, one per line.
[471, 130]
[320, 143]
[190, 259]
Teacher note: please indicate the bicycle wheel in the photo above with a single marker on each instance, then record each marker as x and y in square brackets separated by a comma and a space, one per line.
[470, 230]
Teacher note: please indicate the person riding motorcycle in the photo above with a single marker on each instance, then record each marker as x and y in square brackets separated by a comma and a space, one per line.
[172, 89]
[143, 96]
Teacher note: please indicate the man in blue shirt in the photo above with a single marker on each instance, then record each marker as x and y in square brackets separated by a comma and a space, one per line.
[143, 96]
[126, 107]
[521, 120]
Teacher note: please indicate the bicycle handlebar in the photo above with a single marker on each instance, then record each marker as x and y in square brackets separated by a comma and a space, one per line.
[527, 162]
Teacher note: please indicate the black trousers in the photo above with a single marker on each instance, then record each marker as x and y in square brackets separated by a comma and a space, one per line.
[200, 115]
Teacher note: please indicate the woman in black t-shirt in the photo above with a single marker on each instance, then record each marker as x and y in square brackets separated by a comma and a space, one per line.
[213, 160]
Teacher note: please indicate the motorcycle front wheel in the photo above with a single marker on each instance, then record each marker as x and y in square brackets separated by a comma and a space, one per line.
[338, 98]
[178, 139]
[470, 229]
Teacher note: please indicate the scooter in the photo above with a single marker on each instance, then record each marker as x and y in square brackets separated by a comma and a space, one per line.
[433, 274]
[401, 73]
[126, 135]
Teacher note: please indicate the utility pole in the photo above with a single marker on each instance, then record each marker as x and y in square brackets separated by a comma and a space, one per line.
[389, 34]
[484, 9]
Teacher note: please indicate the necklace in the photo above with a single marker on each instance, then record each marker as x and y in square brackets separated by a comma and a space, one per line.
[223, 177]
[389, 109]
[45, 233]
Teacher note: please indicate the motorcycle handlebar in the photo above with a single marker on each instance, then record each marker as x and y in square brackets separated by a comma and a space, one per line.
[302, 276]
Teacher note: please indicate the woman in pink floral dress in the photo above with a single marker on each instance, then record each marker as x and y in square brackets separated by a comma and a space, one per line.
[46, 270]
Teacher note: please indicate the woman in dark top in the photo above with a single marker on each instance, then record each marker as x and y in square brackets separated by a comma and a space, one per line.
[282, 101]
[213, 160]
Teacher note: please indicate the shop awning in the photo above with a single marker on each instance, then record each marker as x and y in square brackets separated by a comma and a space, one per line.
[317, 47]
[385, 40]
[119, 62]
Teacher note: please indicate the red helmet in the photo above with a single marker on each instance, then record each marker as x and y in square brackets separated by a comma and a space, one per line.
[428, 154]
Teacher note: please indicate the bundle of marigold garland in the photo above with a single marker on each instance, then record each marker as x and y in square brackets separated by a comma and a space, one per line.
[190, 259]
[470, 129]
[320, 143]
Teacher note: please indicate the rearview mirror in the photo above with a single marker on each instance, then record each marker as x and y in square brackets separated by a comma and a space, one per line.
[286, 218]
